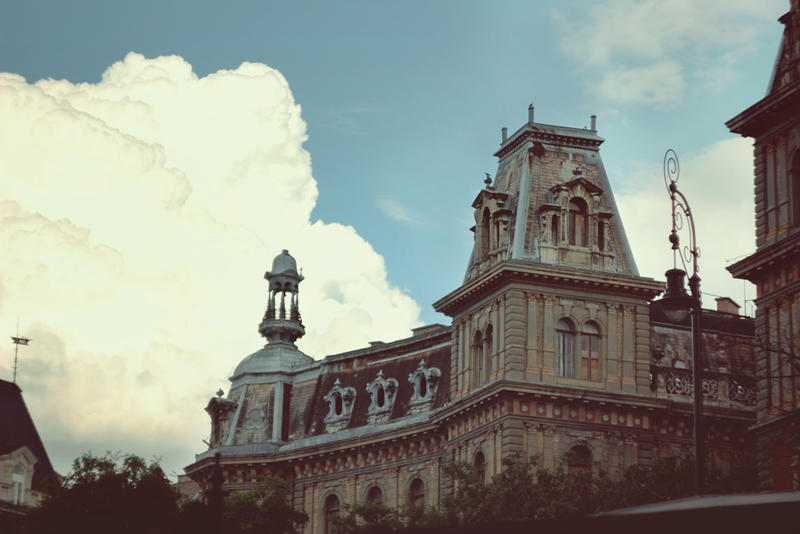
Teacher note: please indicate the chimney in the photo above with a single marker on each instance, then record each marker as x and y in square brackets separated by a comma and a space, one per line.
[530, 114]
[594, 123]
[727, 305]
[505, 134]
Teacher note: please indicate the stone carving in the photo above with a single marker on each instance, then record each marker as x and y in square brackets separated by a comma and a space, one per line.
[383, 392]
[677, 382]
[737, 391]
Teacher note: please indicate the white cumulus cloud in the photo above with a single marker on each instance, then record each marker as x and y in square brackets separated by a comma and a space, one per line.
[137, 218]
[718, 183]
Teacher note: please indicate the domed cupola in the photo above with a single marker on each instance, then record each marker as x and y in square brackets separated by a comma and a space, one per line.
[283, 325]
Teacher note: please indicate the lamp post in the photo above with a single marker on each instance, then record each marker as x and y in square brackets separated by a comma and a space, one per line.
[677, 303]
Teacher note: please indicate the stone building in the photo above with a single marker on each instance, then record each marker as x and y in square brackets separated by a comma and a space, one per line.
[555, 347]
[774, 124]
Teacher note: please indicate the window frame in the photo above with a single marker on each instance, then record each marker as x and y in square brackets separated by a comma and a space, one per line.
[565, 355]
[578, 218]
[416, 493]
[590, 351]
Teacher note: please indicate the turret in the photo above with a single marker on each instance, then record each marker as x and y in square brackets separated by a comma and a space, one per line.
[283, 325]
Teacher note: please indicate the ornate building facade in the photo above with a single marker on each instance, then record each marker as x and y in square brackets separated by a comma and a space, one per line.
[774, 124]
[556, 346]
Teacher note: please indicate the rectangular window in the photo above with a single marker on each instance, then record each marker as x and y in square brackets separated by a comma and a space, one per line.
[590, 356]
[564, 351]
[554, 230]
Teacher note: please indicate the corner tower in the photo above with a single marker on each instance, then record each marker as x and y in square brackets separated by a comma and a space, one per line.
[551, 295]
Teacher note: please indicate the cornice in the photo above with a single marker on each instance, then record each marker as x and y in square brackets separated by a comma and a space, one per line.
[778, 107]
[516, 270]
[553, 135]
[766, 257]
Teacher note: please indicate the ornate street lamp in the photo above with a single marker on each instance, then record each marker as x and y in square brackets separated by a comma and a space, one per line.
[678, 304]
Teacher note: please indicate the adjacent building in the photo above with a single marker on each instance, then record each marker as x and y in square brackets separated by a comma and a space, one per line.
[24, 464]
[555, 350]
[774, 124]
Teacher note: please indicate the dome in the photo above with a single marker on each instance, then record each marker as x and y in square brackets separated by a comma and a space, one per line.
[273, 358]
[283, 263]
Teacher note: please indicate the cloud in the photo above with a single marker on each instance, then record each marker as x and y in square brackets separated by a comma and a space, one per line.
[659, 84]
[396, 211]
[616, 40]
[718, 183]
[137, 218]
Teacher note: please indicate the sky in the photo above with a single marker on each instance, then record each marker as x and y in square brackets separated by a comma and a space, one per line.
[155, 157]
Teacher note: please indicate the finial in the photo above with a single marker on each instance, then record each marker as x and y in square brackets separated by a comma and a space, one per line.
[530, 114]
[488, 180]
[220, 392]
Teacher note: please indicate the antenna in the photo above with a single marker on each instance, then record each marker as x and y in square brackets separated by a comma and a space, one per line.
[18, 340]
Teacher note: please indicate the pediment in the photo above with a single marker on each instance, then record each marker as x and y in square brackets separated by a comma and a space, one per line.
[573, 184]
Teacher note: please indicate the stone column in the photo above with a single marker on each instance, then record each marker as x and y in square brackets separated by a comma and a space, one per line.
[531, 369]
[613, 363]
[628, 350]
[548, 351]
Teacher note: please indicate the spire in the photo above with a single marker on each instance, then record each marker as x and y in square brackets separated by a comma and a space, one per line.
[283, 279]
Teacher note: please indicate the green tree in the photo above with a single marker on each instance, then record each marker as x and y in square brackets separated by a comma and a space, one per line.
[368, 517]
[263, 510]
[107, 494]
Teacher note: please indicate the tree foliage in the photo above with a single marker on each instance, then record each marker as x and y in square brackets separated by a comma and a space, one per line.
[107, 494]
[524, 491]
[263, 510]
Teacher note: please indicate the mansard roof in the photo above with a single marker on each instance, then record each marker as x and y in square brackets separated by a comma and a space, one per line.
[399, 369]
[782, 101]
[17, 430]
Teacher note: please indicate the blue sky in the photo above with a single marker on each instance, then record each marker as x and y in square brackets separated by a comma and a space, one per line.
[403, 103]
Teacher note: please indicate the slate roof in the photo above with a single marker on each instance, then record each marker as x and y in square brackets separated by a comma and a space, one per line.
[397, 369]
[17, 430]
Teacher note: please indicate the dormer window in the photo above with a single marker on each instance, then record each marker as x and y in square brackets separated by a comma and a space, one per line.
[340, 406]
[577, 222]
[18, 484]
[382, 392]
[425, 381]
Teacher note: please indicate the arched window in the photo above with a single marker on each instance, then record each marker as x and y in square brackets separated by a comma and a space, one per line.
[331, 510]
[579, 459]
[337, 404]
[422, 385]
[565, 341]
[477, 348]
[18, 484]
[577, 222]
[485, 221]
[375, 495]
[590, 351]
[480, 466]
[416, 493]
[381, 400]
